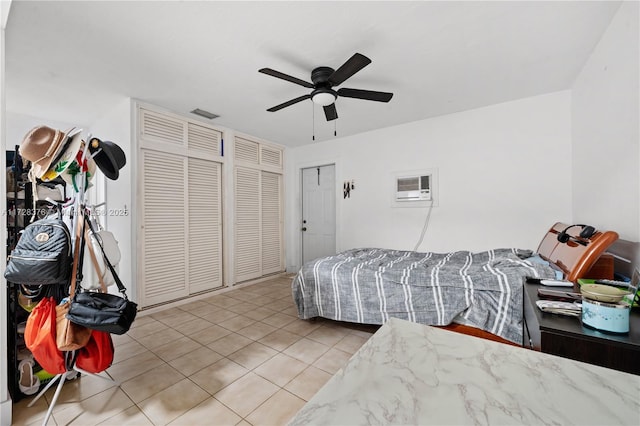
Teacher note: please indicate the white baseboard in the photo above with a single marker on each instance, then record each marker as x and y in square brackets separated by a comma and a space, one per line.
[5, 411]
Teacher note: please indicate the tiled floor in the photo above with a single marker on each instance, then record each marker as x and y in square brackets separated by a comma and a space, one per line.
[240, 357]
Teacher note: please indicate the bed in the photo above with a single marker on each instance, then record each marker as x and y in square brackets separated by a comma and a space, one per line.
[473, 293]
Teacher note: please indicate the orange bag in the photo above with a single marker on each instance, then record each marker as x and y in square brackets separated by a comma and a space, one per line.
[40, 336]
[97, 354]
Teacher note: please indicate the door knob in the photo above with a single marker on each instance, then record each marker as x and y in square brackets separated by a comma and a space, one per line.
[304, 228]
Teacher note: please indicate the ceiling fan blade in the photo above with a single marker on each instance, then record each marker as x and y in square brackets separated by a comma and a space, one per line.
[288, 103]
[283, 76]
[330, 112]
[349, 68]
[368, 95]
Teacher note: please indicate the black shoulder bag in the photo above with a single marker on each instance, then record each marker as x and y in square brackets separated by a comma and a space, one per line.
[103, 311]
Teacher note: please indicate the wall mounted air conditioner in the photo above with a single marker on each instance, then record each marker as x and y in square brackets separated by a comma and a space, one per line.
[413, 188]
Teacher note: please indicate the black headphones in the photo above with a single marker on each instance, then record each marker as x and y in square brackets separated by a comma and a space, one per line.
[586, 233]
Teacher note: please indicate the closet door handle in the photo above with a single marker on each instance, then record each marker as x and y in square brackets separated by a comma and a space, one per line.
[304, 228]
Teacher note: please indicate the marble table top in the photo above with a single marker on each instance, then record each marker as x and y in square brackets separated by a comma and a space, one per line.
[414, 374]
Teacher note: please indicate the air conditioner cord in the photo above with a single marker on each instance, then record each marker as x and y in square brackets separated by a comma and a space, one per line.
[424, 228]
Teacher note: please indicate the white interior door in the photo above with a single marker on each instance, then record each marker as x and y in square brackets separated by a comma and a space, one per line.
[247, 224]
[318, 212]
[164, 260]
[204, 243]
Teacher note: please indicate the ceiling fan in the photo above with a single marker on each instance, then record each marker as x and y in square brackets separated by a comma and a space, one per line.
[324, 80]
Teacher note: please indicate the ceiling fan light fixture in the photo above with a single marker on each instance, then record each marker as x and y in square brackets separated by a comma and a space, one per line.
[323, 97]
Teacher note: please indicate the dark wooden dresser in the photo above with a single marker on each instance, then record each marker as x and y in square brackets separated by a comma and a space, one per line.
[567, 337]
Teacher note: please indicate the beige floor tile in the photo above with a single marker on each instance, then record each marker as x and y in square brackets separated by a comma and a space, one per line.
[229, 344]
[307, 383]
[278, 320]
[155, 340]
[246, 296]
[218, 375]
[147, 329]
[167, 313]
[177, 348]
[79, 389]
[210, 412]
[219, 315]
[257, 330]
[280, 339]
[210, 334]
[195, 360]
[93, 410]
[365, 333]
[134, 366]
[327, 335]
[222, 301]
[173, 402]
[132, 416]
[244, 423]
[350, 343]
[246, 394]
[142, 320]
[263, 300]
[306, 350]
[23, 415]
[279, 305]
[280, 369]
[242, 307]
[302, 327]
[121, 339]
[237, 323]
[252, 355]
[332, 361]
[277, 410]
[145, 385]
[127, 350]
[263, 290]
[194, 305]
[179, 316]
[290, 310]
[259, 313]
[190, 327]
[204, 309]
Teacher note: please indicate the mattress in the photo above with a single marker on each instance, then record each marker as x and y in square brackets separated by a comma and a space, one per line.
[372, 285]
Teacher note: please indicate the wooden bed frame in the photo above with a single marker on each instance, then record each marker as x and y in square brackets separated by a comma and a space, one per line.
[574, 259]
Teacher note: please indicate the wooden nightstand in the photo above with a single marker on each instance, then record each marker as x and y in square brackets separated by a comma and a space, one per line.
[567, 337]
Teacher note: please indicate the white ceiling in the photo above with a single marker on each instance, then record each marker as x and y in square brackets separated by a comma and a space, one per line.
[72, 61]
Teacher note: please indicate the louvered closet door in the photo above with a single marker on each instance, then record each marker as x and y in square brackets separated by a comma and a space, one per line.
[164, 251]
[205, 225]
[247, 224]
[271, 221]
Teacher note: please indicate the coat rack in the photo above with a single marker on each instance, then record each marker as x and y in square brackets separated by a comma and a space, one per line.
[77, 208]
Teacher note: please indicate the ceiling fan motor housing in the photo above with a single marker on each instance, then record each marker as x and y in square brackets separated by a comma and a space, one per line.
[320, 77]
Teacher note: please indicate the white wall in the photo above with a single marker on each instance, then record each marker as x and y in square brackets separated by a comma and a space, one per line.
[18, 125]
[5, 398]
[605, 118]
[115, 125]
[504, 179]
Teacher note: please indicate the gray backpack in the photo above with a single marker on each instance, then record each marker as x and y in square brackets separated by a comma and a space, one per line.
[42, 255]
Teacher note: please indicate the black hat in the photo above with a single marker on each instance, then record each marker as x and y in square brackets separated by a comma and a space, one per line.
[110, 159]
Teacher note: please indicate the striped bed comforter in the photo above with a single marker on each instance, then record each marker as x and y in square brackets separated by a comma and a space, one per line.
[369, 286]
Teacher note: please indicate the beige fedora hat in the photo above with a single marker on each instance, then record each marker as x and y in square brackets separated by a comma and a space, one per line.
[40, 146]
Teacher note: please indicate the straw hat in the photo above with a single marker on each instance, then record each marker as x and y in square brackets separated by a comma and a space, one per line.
[64, 157]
